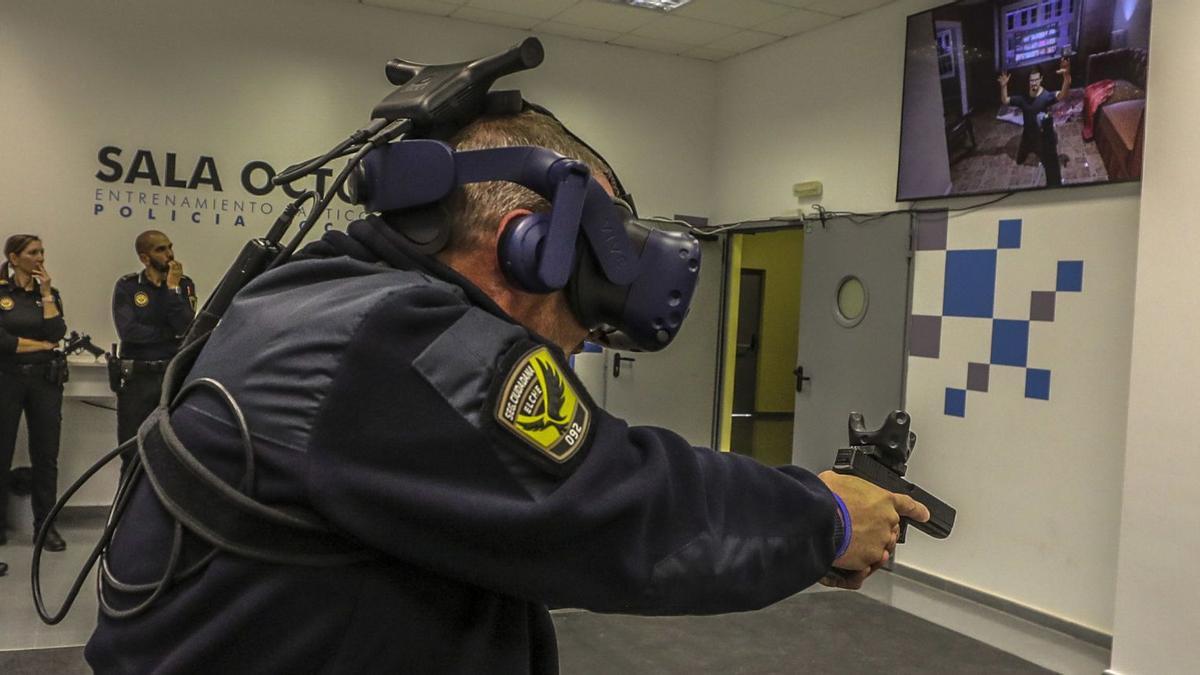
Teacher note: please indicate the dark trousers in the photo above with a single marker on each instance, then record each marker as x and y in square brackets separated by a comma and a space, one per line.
[31, 393]
[1044, 142]
[136, 400]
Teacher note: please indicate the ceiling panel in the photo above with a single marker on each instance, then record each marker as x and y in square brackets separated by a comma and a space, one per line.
[740, 13]
[435, 7]
[649, 44]
[489, 17]
[542, 9]
[578, 32]
[799, 21]
[711, 30]
[846, 7]
[684, 30]
[743, 41]
[606, 16]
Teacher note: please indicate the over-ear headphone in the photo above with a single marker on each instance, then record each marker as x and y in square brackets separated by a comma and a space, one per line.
[520, 251]
[520, 248]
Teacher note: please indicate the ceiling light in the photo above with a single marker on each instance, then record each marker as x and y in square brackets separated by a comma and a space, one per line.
[660, 5]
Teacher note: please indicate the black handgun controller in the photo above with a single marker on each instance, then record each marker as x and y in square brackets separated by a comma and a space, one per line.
[881, 457]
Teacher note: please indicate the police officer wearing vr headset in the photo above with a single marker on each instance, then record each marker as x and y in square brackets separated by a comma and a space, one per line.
[421, 407]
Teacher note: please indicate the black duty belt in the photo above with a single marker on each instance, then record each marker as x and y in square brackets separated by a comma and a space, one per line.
[138, 366]
[25, 368]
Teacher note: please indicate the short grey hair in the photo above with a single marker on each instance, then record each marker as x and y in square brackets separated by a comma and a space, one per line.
[474, 209]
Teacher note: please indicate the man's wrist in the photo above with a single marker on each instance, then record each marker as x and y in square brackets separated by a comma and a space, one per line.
[842, 528]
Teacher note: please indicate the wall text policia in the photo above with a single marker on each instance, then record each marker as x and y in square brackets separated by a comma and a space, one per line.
[143, 170]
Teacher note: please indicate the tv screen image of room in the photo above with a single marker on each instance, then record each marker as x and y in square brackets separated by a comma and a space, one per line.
[1009, 95]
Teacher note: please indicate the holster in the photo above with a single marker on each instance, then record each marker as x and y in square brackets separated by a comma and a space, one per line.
[57, 371]
[116, 375]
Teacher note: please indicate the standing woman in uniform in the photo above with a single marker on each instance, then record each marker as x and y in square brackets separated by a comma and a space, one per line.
[32, 373]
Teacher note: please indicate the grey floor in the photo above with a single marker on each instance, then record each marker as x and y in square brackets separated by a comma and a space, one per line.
[893, 625]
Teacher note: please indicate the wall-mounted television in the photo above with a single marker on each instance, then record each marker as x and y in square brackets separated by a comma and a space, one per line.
[1010, 95]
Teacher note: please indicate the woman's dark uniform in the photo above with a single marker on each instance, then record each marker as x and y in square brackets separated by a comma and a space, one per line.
[30, 383]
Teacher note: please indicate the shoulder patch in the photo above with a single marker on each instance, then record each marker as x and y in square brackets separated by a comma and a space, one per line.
[538, 404]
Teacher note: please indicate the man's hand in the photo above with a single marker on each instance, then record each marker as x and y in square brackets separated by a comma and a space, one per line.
[1003, 79]
[875, 525]
[174, 274]
[1065, 71]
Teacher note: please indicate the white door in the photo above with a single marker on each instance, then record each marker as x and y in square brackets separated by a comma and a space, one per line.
[853, 314]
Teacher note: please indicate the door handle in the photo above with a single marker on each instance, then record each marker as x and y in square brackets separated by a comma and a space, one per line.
[800, 378]
[617, 359]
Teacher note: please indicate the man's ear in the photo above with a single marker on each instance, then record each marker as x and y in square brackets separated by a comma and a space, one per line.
[506, 220]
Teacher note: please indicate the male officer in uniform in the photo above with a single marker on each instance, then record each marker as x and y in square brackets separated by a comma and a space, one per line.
[422, 408]
[152, 310]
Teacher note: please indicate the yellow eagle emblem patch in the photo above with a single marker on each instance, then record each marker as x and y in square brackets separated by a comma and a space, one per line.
[539, 405]
[6, 303]
[141, 299]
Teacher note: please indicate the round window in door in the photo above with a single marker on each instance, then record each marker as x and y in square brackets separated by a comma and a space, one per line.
[850, 302]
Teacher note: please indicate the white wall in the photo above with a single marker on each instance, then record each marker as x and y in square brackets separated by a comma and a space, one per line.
[1036, 484]
[1157, 615]
[281, 81]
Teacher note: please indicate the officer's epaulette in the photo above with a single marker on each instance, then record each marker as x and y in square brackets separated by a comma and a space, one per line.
[130, 277]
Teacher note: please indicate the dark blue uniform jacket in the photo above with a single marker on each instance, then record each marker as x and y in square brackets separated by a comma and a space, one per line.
[22, 316]
[367, 376]
[150, 319]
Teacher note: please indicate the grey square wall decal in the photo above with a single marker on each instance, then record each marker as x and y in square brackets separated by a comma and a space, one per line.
[925, 336]
[977, 376]
[931, 231]
[1041, 306]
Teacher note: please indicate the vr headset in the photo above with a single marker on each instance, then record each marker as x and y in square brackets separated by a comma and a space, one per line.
[628, 282]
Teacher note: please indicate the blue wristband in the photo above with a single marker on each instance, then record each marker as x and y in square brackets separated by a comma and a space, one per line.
[844, 514]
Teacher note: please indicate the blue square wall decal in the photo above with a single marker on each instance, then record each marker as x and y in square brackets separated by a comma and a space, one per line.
[1010, 234]
[1070, 276]
[1010, 342]
[956, 402]
[970, 286]
[1037, 384]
